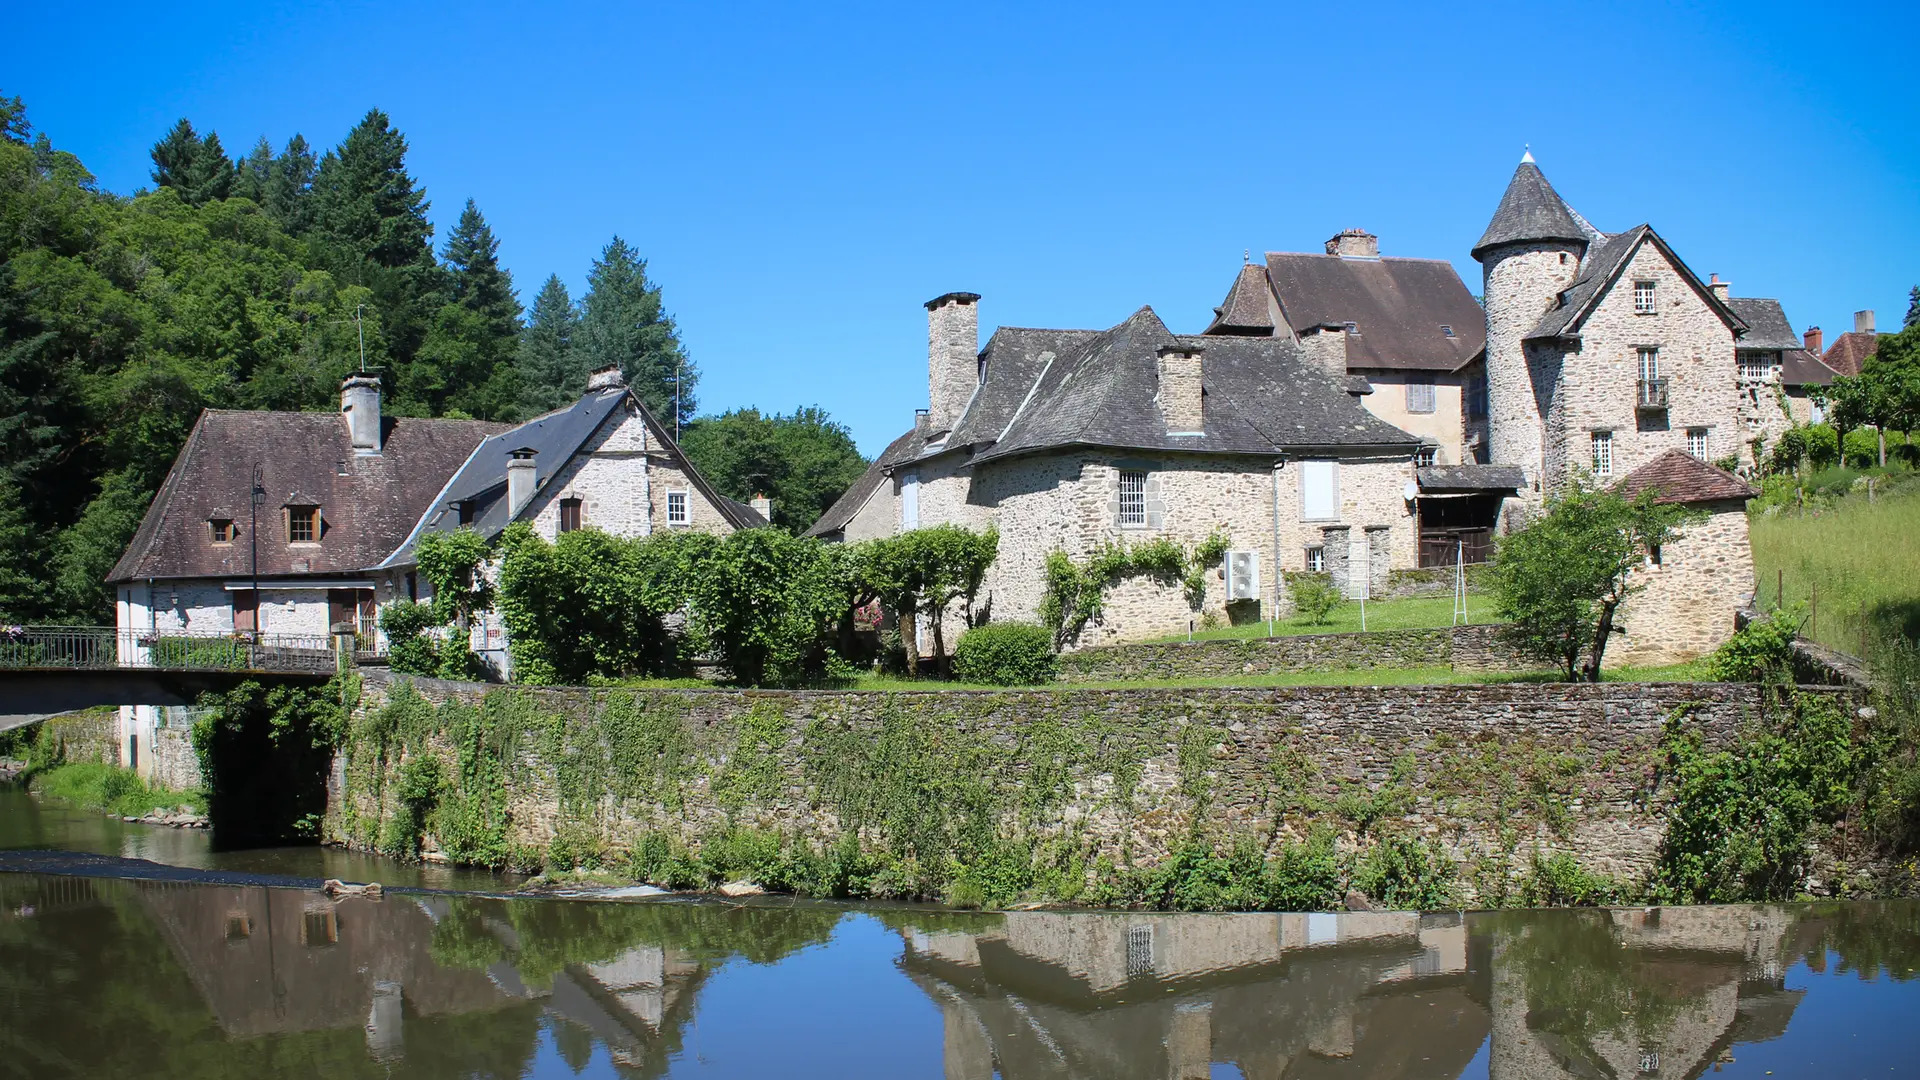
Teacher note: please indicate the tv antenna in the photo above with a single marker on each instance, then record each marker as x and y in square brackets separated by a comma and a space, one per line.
[362, 328]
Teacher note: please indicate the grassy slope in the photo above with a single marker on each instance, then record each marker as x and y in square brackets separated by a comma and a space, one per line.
[1864, 559]
[107, 787]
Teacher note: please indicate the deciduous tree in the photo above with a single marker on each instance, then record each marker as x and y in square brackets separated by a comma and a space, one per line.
[803, 461]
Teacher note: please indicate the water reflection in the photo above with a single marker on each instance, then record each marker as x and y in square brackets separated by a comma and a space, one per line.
[146, 978]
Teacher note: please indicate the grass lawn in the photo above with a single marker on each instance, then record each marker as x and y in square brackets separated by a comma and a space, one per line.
[1419, 676]
[1863, 558]
[1416, 613]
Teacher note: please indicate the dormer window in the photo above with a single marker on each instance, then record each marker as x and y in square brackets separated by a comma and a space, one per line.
[223, 530]
[464, 511]
[1353, 328]
[303, 524]
[1643, 298]
[1446, 330]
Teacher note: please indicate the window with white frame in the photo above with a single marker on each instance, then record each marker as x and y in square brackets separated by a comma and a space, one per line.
[1420, 394]
[1649, 356]
[1316, 560]
[1426, 456]
[676, 508]
[1697, 442]
[1133, 498]
[1603, 453]
[1319, 491]
[1756, 366]
[1643, 298]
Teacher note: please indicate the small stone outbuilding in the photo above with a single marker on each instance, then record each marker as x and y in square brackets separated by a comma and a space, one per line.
[1690, 589]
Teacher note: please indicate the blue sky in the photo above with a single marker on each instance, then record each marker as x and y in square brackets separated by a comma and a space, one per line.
[803, 178]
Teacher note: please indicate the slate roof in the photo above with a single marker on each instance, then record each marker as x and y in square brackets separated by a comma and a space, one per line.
[1767, 325]
[1260, 396]
[1602, 265]
[1530, 210]
[365, 510]
[555, 438]
[1398, 307]
[1452, 478]
[1015, 357]
[903, 449]
[1245, 310]
[1850, 350]
[1798, 367]
[1680, 477]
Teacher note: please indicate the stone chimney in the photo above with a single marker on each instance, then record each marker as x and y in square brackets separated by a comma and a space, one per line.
[762, 506]
[1863, 322]
[1721, 289]
[522, 478]
[1180, 391]
[607, 378]
[1325, 348]
[1814, 339]
[360, 404]
[1354, 244]
[953, 356]
[920, 424]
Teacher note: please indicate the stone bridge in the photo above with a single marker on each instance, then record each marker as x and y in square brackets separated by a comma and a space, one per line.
[48, 670]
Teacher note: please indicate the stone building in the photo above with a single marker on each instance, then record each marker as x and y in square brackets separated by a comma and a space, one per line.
[295, 525]
[1688, 590]
[1851, 349]
[1073, 439]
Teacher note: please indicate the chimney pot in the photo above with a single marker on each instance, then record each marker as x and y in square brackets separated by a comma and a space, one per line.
[1721, 289]
[522, 478]
[1814, 339]
[1354, 244]
[360, 404]
[953, 356]
[1863, 321]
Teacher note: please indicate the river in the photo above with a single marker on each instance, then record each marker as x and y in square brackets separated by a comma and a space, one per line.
[207, 976]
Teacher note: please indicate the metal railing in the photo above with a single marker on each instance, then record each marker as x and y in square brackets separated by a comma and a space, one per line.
[105, 648]
[1652, 394]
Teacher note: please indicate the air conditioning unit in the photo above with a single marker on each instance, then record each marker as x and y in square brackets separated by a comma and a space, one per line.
[1243, 575]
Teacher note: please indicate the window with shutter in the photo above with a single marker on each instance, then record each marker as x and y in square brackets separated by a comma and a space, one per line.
[1420, 395]
[1319, 491]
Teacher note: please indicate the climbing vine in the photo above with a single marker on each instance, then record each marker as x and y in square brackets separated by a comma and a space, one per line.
[1076, 590]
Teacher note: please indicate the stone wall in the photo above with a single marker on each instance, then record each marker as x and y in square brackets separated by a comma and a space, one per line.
[1463, 648]
[176, 766]
[90, 736]
[1521, 284]
[1491, 773]
[1685, 606]
[622, 477]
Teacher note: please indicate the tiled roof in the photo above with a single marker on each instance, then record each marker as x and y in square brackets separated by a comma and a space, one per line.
[1408, 314]
[1602, 265]
[1260, 395]
[1798, 367]
[1767, 325]
[1850, 350]
[1448, 478]
[1245, 310]
[1015, 356]
[368, 504]
[1530, 210]
[1679, 477]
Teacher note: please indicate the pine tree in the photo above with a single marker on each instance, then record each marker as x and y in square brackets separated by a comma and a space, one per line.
[13, 120]
[552, 373]
[622, 323]
[174, 155]
[371, 221]
[254, 173]
[1913, 309]
[289, 195]
[466, 364]
[210, 176]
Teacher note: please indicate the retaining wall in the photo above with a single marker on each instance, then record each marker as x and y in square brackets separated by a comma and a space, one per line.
[1492, 773]
[1463, 648]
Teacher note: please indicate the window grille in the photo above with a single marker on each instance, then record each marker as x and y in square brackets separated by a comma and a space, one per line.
[1133, 497]
[1420, 396]
[1649, 362]
[676, 508]
[1643, 298]
[570, 512]
[1603, 453]
[303, 524]
[1756, 366]
[1316, 560]
[223, 531]
[1139, 950]
[1697, 442]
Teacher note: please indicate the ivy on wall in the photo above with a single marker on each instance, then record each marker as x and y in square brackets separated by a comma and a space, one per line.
[1076, 590]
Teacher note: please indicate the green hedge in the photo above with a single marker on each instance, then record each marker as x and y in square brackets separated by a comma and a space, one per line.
[1005, 654]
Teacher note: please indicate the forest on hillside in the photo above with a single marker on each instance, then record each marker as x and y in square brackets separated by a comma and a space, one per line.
[258, 282]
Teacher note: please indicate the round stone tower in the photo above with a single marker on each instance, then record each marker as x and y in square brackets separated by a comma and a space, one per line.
[1530, 254]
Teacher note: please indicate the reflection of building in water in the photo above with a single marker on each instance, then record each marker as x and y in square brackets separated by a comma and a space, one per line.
[1659, 992]
[276, 961]
[1073, 995]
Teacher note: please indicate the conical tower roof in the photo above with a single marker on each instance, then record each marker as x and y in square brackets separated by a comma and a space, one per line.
[1530, 211]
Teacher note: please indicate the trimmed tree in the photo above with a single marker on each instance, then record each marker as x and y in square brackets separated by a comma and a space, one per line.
[1560, 581]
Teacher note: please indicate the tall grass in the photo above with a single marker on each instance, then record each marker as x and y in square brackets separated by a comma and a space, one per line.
[1856, 564]
[96, 786]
